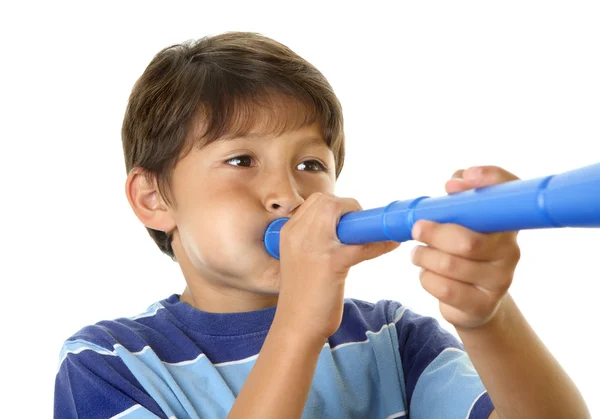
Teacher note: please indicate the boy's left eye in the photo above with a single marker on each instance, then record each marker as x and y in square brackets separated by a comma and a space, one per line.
[312, 163]
[246, 161]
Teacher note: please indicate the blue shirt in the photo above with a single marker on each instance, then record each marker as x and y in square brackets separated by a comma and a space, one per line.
[174, 361]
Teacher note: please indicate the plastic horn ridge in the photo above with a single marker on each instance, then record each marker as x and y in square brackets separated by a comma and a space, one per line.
[569, 199]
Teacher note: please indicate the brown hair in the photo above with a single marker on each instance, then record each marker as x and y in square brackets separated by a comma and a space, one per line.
[225, 84]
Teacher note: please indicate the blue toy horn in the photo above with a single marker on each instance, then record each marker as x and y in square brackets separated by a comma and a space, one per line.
[570, 199]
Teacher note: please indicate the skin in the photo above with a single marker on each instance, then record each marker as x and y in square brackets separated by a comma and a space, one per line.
[470, 274]
[223, 207]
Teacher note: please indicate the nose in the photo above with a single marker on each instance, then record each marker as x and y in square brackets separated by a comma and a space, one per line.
[283, 196]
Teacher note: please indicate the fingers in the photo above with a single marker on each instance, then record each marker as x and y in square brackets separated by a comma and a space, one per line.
[328, 209]
[329, 203]
[461, 304]
[478, 177]
[459, 240]
[464, 297]
[332, 208]
[355, 254]
[483, 275]
[487, 175]
[467, 271]
[317, 218]
[305, 205]
[457, 183]
[314, 225]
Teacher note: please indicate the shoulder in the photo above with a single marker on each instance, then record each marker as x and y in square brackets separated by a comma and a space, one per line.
[411, 329]
[365, 319]
[374, 315]
[106, 337]
[102, 368]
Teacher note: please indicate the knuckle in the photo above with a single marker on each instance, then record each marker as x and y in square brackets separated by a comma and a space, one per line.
[491, 174]
[448, 264]
[332, 205]
[355, 204]
[470, 244]
[515, 253]
[510, 255]
[504, 286]
[445, 292]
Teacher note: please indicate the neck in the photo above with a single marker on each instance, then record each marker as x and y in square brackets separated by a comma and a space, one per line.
[214, 300]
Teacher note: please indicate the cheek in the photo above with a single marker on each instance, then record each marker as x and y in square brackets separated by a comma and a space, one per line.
[216, 229]
[206, 242]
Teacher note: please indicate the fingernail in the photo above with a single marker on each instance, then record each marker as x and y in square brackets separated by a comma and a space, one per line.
[458, 175]
[413, 252]
[416, 231]
[472, 173]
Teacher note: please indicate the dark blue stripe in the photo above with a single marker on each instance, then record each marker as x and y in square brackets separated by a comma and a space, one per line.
[421, 339]
[169, 339]
[173, 342]
[93, 386]
[482, 408]
[360, 317]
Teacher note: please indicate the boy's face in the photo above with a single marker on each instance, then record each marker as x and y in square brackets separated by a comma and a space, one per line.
[227, 193]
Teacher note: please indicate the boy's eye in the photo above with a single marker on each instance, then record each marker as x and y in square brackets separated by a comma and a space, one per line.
[246, 161]
[240, 160]
[312, 163]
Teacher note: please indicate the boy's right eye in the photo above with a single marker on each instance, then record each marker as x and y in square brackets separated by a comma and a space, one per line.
[240, 161]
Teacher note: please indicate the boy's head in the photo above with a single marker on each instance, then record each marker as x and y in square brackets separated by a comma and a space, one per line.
[196, 107]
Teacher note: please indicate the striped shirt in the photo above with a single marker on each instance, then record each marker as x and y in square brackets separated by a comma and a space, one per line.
[174, 361]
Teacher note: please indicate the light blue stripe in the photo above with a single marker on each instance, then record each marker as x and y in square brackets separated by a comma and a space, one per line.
[135, 412]
[399, 313]
[157, 381]
[76, 346]
[359, 379]
[447, 387]
[150, 311]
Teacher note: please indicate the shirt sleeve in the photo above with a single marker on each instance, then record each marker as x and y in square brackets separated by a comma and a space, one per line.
[440, 379]
[94, 383]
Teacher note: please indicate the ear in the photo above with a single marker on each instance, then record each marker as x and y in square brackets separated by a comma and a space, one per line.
[146, 201]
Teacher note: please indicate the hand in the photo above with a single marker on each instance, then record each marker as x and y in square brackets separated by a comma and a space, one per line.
[468, 272]
[314, 264]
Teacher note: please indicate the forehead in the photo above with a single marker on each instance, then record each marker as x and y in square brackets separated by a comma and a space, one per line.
[259, 118]
[306, 136]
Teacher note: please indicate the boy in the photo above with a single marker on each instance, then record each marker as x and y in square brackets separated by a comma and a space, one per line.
[221, 137]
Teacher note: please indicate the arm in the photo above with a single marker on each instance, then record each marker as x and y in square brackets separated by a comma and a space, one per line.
[279, 382]
[313, 270]
[470, 273]
[522, 378]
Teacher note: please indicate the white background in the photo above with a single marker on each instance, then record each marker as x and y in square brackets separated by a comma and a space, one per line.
[427, 88]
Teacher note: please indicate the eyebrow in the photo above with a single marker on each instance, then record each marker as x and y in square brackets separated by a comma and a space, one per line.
[314, 141]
